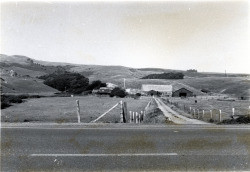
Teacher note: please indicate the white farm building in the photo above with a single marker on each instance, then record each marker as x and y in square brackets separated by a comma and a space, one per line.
[164, 89]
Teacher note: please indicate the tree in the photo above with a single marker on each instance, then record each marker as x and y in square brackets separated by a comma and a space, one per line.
[72, 82]
[96, 85]
[118, 92]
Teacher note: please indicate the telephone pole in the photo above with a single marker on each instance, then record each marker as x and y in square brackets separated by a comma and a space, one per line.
[124, 83]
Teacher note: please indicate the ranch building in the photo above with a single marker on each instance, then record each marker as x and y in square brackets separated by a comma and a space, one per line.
[103, 90]
[183, 92]
[165, 90]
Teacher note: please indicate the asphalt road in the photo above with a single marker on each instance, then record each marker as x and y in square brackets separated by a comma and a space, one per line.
[125, 147]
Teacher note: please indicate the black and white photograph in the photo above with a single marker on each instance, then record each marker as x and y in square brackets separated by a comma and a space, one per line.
[124, 85]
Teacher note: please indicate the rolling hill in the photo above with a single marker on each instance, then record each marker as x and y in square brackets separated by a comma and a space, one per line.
[29, 69]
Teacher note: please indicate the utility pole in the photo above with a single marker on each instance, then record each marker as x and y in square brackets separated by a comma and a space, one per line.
[124, 83]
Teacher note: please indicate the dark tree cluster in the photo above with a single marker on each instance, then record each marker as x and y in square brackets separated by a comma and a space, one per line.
[192, 70]
[67, 81]
[96, 85]
[71, 82]
[7, 100]
[165, 76]
[118, 92]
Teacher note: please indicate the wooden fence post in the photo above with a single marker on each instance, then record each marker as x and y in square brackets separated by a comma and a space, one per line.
[211, 114]
[133, 117]
[125, 112]
[121, 115]
[220, 117]
[141, 115]
[233, 111]
[136, 118]
[198, 111]
[78, 111]
[194, 114]
[203, 114]
[139, 118]
[130, 116]
[190, 110]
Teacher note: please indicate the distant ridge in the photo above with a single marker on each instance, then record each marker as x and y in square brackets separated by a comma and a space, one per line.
[28, 69]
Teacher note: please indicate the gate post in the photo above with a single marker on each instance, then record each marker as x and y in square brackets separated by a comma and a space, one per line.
[78, 111]
[121, 114]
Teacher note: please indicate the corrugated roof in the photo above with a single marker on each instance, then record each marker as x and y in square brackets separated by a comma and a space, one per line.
[160, 88]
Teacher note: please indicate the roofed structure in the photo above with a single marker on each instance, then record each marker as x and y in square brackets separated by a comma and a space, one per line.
[183, 92]
[165, 89]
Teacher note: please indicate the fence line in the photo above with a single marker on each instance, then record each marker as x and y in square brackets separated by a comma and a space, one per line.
[148, 104]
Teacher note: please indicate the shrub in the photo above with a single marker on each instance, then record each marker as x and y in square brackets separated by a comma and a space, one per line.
[6, 100]
[96, 85]
[23, 96]
[138, 94]
[4, 105]
[240, 120]
[118, 92]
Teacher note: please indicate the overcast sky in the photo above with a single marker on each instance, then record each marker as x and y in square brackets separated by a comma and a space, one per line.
[209, 36]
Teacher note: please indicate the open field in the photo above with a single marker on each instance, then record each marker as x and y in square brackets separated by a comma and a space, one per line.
[241, 107]
[63, 109]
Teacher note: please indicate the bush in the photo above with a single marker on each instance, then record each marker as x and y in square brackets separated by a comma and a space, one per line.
[96, 85]
[138, 94]
[4, 105]
[118, 92]
[23, 96]
[6, 100]
[240, 120]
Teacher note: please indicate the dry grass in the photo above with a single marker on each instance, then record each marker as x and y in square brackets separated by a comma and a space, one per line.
[155, 116]
[236, 86]
[26, 85]
[63, 109]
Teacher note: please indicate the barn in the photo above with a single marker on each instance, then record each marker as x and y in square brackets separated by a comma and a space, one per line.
[183, 92]
[165, 90]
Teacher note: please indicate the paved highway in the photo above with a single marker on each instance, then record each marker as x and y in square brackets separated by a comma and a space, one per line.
[124, 147]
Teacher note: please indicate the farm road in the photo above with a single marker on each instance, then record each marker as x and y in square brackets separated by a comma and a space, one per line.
[174, 116]
[125, 148]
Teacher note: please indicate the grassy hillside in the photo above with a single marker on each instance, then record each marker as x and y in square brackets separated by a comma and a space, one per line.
[195, 81]
[193, 74]
[108, 72]
[23, 85]
[236, 86]
[27, 71]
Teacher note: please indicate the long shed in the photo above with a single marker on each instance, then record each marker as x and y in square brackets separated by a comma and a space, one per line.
[183, 92]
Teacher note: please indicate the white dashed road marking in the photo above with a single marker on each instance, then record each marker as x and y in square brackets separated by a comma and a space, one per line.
[102, 155]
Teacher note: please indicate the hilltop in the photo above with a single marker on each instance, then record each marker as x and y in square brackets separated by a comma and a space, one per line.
[28, 69]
